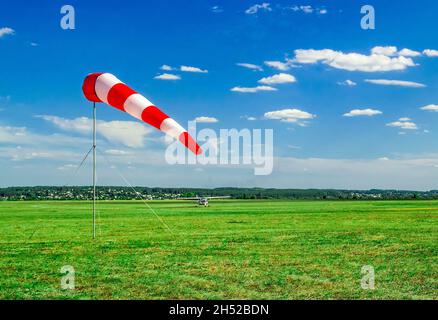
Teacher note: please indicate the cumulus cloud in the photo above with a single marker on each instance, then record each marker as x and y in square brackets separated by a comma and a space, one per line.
[430, 53]
[166, 67]
[430, 107]
[401, 83]
[348, 83]
[204, 119]
[259, 7]
[375, 62]
[253, 89]
[129, 133]
[391, 51]
[282, 66]
[278, 79]
[6, 31]
[313, 56]
[403, 123]
[167, 76]
[250, 66]
[409, 53]
[362, 112]
[192, 69]
[289, 115]
[386, 51]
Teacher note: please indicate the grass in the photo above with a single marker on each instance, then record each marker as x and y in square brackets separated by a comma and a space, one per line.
[231, 250]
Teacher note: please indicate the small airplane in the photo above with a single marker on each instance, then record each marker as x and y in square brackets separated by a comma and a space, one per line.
[203, 201]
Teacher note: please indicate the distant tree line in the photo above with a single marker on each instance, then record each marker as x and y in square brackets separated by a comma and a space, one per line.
[127, 193]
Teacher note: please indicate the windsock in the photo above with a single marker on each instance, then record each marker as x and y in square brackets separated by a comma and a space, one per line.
[105, 87]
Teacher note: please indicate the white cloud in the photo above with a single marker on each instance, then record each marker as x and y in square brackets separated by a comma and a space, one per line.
[216, 9]
[205, 119]
[386, 51]
[166, 67]
[253, 89]
[192, 69]
[385, 82]
[167, 76]
[348, 83]
[23, 154]
[305, 9]
[282, 66]
[362, 112]
[258, 7]
[413, 172]
[116, 152]
[12, 134]
[409, 53]
[289, 115]
[404, 119]
[313, 56]
[250, 66]
[33, 44]
[308, 9]
[67, 167]
[353, 61]
[403, 124]
[6, 31]
[430, 107]
[21, 135]
[129, 133]
[278, 79]
[430, 53]
[391, 51]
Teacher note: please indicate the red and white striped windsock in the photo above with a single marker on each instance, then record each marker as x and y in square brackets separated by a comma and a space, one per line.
[105, 87]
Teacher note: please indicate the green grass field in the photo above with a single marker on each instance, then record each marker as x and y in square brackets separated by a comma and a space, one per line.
[231, 250]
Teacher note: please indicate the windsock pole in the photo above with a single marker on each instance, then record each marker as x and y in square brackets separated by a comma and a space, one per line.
[106, 88]
[94, 170]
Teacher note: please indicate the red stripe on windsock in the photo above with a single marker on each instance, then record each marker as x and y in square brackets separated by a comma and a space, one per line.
[153, 116]
[89, 86]
[190, 143]
[118, 95]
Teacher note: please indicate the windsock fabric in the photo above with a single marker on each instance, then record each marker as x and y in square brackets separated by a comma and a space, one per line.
[105, 87]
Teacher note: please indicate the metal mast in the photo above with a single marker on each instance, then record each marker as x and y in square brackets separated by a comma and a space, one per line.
[94, 170]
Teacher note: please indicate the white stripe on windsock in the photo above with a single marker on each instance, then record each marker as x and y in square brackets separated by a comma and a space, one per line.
[135, 105]
[104, 83]
[172, 128]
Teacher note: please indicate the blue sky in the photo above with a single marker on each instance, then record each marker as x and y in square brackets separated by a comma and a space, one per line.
[390, 144]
